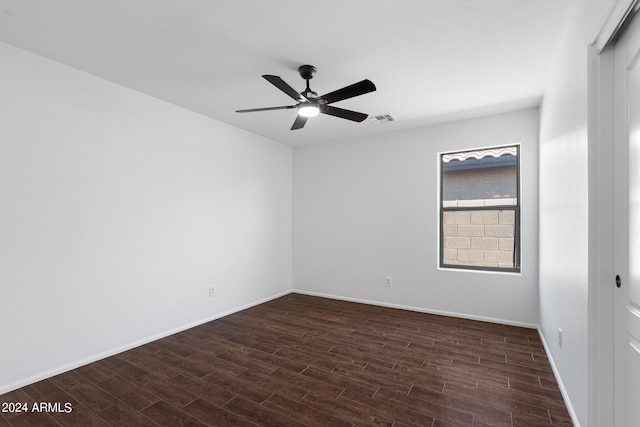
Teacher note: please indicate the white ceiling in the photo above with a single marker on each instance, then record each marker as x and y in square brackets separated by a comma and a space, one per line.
[431, 60]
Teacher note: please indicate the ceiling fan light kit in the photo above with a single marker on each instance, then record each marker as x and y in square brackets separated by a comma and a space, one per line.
[309, 104]
[308, 110]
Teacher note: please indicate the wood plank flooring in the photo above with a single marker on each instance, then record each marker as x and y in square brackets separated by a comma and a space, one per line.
[308, 361]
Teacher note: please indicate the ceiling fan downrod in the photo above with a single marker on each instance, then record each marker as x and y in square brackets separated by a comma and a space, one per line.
[307, 72]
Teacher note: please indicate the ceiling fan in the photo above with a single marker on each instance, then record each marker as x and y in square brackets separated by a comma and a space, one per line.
[309, 104]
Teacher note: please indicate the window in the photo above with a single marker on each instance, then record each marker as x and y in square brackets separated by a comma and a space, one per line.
[480, 209]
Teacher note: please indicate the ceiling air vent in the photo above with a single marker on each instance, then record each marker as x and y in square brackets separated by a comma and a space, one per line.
[383, 118]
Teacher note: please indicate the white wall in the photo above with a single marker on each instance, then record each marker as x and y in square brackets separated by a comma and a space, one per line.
[118, 211]
[565, 194]
[368, 208]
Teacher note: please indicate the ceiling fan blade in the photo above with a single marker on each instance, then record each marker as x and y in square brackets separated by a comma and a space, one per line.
[360, 88]
[251, 110]
[299, 122]
[344, 114]
[283, 86]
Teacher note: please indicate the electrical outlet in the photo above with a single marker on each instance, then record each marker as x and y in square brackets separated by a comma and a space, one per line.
[212, 291]
[388, 282]
[560, 337]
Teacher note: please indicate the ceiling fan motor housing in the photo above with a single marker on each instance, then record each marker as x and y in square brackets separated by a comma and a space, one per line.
[309, 94]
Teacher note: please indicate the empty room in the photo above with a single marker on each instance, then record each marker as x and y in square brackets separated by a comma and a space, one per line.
[298, 213]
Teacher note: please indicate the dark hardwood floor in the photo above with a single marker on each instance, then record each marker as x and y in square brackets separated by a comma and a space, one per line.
[308, 361]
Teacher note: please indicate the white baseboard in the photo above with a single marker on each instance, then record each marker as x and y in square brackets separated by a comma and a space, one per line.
[420, 309]
[556, 374]
[6, 388]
